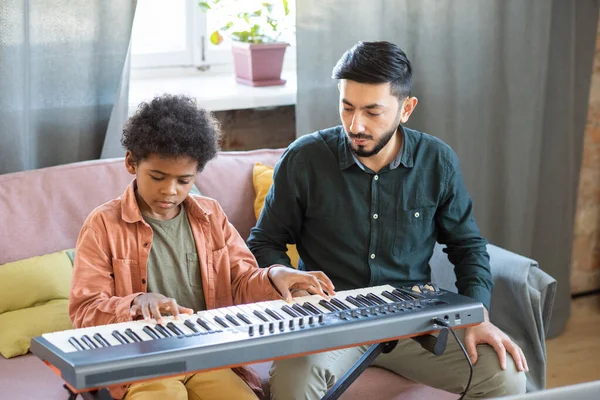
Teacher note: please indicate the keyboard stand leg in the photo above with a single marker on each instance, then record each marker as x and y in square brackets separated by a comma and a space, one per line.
[359, 366]
[72, 396]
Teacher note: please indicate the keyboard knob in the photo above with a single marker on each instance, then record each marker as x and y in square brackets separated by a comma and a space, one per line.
[291, 324]
[354, 313]
[320, 318]
[251, 330]
[281, 326]
[271, 327]
[261, 329]
[301, 322]
[311, 320]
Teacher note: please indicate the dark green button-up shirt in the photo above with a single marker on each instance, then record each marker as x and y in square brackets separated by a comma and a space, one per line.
[365, 229]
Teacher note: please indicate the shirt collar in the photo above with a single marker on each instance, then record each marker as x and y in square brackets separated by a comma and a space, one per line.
[404, 157]
[131, 213]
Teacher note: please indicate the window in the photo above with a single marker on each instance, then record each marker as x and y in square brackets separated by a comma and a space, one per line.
[170, 33]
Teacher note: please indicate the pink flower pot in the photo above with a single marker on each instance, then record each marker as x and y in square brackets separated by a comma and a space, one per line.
[258, 64]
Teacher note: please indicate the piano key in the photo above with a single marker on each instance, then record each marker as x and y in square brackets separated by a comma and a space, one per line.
[234, 313]
[232, 319]
[299, 309]
[220, 321]
[328, 305]
[73, 340]
[373, 297]
[353, 301]
[249, 312]
[288, 310]
[191, 326]
[366, 300]
[392, 297]
[86, 339]
[204, 324]
[312, 308]
[244, 318]
[273, 313]
[175, 329]
[119, 336]
[150, 331]
[339, 304]
[100, 339]
[163, 331]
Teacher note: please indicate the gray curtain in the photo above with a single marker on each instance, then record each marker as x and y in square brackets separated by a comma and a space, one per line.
[61, 71]
[504, 82]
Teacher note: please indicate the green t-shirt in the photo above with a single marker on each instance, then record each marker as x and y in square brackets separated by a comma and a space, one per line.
[173, 264]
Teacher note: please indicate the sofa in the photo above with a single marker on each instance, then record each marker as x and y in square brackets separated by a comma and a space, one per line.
[41, 211]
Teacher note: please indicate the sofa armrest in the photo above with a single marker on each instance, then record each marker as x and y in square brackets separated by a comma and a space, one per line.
[521, 305]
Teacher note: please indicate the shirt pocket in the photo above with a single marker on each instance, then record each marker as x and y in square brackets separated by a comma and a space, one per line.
[413, 228]
[193, 269]
[124, 269]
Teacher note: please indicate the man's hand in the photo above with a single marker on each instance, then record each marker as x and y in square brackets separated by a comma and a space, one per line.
[152, 305]
[486, 332]
[286, 279]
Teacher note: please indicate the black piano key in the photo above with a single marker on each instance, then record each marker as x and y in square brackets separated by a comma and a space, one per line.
[328, 305]
[260, 315]
[353, 301]
[376, 299]
[300, 310]
[290, 311]
[190, 324]
[230, 318]
[220, 321]
[407, 294]
[86, 339]
[151, 332]
[175, 329]
[311, 307]
[75, 343]
[204, 324]
[391, 296]
[339, 304]
[100, 339]
[122, 339]
[244, 318]
[273, 314]
[163, 331]
[364, 299]
[358, 300]
[134, 336]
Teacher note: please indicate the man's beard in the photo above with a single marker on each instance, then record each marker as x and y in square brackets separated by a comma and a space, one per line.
[360, 150]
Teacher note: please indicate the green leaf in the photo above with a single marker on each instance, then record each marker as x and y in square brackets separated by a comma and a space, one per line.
[257, 13]
[204, 6]
[268, 6]
[227, 26]
[286, 7]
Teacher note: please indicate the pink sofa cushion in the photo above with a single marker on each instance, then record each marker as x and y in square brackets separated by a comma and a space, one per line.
[228, 179]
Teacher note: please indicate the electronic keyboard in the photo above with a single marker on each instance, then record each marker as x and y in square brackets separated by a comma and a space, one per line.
[89, 358]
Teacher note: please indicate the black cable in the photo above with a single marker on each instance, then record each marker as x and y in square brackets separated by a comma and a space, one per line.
[444, 323]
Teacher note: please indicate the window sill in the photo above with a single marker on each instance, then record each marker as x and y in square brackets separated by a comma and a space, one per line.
[214, 90]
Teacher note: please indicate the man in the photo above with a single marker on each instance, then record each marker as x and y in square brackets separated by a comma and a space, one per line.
[365, 203]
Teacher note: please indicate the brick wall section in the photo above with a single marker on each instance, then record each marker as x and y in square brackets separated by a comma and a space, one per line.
[585, 261]
[250, 129]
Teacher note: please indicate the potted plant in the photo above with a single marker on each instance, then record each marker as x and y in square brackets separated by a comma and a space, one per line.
[257, 52]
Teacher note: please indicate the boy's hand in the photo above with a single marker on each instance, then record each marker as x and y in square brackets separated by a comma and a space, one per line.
[151, 305]
[314, 282]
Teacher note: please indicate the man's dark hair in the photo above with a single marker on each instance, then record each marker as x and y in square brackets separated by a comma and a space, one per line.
[172, 126]
[376, 62]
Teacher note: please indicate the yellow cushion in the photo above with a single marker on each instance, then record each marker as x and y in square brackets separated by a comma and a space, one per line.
[35, 281]
[20, 326]
[262, 177]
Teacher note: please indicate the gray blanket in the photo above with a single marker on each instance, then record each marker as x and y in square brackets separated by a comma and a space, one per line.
[521, 303]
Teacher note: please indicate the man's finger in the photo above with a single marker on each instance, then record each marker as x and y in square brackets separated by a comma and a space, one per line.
[500, 350]
[524, 360]
[471, 348]
[285, 293]
[515, 352]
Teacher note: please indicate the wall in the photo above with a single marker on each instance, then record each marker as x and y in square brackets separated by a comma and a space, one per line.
[273, 127]
[585, 260]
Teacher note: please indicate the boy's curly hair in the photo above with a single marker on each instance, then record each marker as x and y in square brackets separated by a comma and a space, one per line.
[172, 126]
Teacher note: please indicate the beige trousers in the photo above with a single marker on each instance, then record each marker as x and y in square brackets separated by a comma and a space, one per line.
[309, 377]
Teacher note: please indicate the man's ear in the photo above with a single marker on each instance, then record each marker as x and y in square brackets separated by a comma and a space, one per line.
[407, 108]
[130, 163]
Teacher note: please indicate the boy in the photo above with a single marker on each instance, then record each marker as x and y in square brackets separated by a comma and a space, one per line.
[157, 249]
